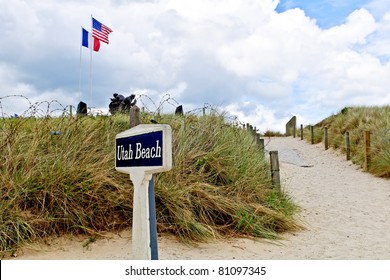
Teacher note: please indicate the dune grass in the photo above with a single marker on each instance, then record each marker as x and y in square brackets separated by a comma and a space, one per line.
[356, 120]
[58, 176]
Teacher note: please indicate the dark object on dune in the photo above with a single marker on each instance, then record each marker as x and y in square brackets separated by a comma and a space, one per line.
[179, 110]
[82, 109]
[120, 104]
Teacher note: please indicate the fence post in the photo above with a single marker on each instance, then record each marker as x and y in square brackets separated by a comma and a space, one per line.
[326, 138]
[134, 116]
[253, 131]
[257, 138]
[261, 142]
[301, 131]
[275, 168]
[367, 157]
[347, 145]
[261, 145]
[312, 134]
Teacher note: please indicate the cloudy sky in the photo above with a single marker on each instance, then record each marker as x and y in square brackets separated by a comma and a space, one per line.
[260, 60]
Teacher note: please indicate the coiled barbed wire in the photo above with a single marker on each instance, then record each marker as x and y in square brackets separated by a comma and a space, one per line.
[55, 108]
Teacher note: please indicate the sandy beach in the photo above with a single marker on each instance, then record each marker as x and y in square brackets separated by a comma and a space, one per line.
[345, 210]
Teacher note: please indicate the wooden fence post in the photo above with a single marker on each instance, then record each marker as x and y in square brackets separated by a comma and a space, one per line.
[275, 168]
[347, 146]
[301, 131]
[326, 138]
[261, 146]
[312, 134]
[257, 138]
[134, 116]
[261, 141]
[367, 145]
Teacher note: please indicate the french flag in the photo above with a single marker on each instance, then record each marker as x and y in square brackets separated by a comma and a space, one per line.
[88, 41]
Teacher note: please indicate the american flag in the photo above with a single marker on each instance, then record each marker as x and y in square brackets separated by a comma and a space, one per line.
[100, 31]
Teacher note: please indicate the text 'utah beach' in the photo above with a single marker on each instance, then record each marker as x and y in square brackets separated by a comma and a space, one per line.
[124, 153]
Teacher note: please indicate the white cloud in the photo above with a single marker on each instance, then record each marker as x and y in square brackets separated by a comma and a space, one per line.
[380, 41]
[359, 25]
[264, 119]
[225, 53]
[277, 49]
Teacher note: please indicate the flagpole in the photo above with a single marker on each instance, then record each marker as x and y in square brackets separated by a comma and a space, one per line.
[80, 64]
[90, 77]
[90, 65]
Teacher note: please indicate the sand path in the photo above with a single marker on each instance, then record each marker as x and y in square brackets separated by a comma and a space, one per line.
[346, 211]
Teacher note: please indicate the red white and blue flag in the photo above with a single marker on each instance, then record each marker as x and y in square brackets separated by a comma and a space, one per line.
[100, 31]
[88, 41]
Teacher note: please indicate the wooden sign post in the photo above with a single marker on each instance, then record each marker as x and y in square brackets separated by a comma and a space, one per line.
[140, 152]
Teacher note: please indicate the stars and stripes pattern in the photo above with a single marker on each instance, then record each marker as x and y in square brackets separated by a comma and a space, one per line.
[100, 31]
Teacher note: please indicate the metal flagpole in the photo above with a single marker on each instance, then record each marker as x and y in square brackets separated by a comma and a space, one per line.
[90, 66]
[80, 64]
[90, 78]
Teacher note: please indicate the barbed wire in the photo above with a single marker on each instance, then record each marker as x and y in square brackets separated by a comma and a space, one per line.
[54, 108]
[36, 109]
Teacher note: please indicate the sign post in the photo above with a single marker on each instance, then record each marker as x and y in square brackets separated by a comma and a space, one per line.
[140, 152]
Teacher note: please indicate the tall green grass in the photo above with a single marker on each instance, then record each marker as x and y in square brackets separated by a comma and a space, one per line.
[65, 182]
[356, 120]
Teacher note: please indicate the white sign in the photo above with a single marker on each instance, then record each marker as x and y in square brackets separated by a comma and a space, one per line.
[140, 152]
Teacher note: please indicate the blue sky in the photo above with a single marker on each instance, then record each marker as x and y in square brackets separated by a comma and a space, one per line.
[328, 13]
[261, 61]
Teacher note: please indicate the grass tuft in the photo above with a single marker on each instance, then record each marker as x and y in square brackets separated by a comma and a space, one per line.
[65, 182]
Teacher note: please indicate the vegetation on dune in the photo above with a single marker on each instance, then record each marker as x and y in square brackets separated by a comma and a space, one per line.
[270, 133]
[58, 176]
[356, 120]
